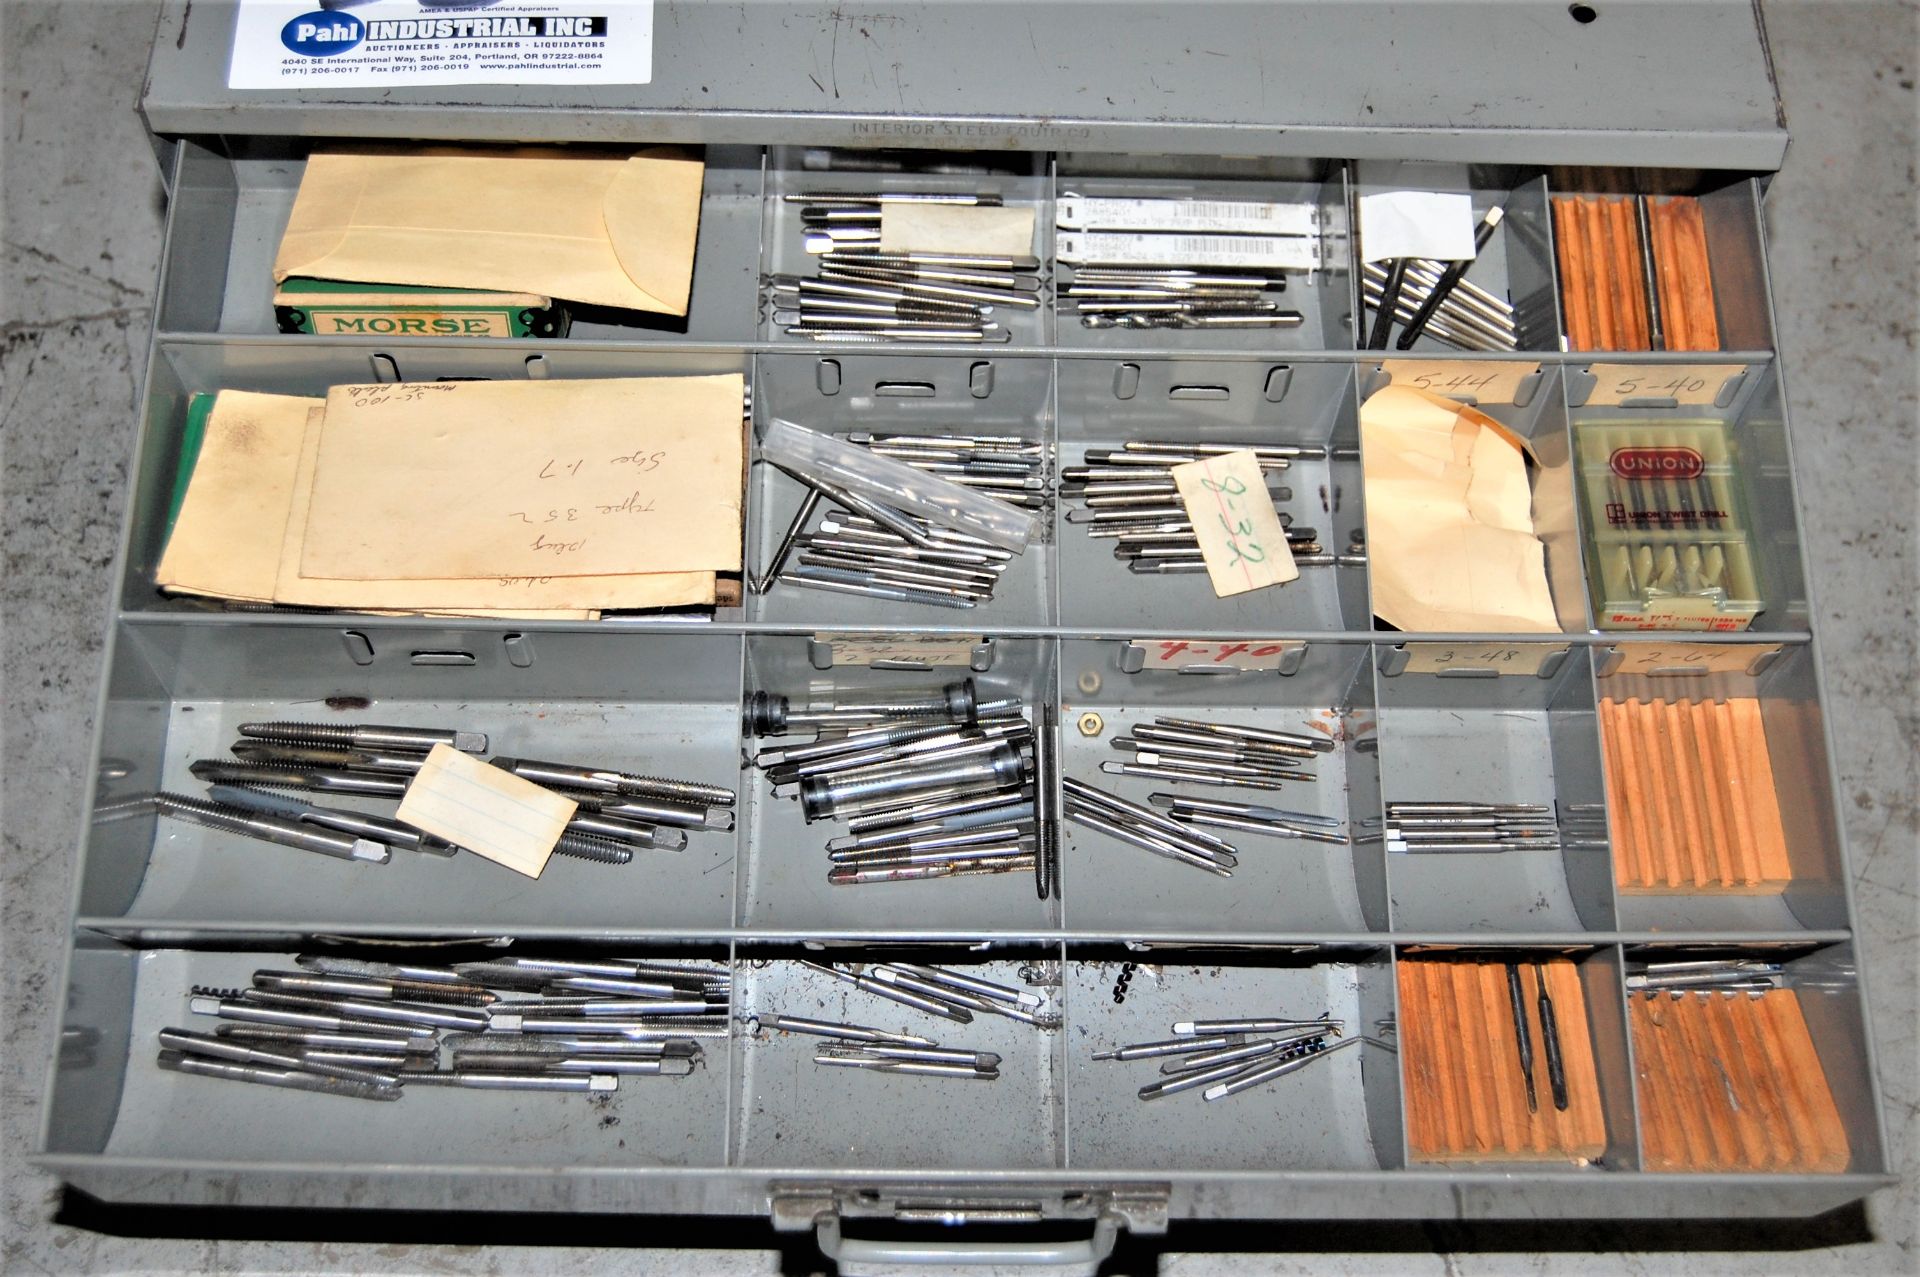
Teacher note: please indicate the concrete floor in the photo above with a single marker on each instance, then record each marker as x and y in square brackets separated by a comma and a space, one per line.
[82, 236]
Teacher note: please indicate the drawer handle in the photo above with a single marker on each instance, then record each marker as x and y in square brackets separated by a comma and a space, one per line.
[904, 389]
[1199, 392]
[444, 658]
[860, 1257]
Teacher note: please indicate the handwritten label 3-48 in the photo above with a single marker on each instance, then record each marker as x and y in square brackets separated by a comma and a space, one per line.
[1500, 658]
[1240, 536]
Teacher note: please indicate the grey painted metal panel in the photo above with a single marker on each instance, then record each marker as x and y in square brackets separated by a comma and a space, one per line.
[1511, 80]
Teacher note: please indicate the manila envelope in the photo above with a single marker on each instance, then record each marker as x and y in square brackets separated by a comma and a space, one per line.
[1450, 539]
[226, 542]
[594, 228]
[559, 598]
[527, 479]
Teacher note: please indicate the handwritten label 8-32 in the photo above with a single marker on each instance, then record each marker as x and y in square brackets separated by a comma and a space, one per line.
[1233, 518]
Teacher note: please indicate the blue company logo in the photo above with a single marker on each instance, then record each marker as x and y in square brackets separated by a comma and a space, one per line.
[321, 34]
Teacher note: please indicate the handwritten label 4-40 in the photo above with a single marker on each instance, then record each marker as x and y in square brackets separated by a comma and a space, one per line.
[1233, 518]
[1182, 654]
[1483, 381]
[1686, 384]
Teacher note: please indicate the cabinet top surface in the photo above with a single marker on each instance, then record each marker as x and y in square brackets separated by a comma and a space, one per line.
[1513, 81]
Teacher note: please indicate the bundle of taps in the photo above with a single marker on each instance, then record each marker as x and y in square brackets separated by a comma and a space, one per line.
[955, 996]
[618, 811]
[1128, 496]
[930, 785]
[1186, 751]
[863, 295]
[374, 1030]
[861, 546]
[1233, 1055]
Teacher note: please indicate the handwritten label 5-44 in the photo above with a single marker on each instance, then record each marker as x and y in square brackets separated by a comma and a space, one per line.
[1240, 536]
[1493, 381]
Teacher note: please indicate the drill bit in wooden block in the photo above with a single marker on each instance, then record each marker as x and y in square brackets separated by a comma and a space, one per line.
[1608, 294]
[1731, 1082]
[1691, 798]
[1686, 280]
[1467, 1098]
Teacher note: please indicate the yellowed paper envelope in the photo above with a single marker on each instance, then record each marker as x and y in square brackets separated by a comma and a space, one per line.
[559, 598]
[226, 540]
[606, 230]
[527, 479]
[1450, 540]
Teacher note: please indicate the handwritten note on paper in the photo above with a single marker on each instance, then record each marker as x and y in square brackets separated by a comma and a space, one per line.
[526, 597]
[1233, 518]
[527, 479]
[490, 812]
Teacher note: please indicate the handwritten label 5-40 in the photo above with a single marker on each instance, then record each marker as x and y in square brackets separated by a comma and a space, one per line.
[1233, 518]
[1685, 384]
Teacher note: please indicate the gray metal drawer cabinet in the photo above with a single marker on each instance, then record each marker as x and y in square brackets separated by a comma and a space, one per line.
[1314, 103]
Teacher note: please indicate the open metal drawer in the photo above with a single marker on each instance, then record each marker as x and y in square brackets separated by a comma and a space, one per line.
[1069, 98]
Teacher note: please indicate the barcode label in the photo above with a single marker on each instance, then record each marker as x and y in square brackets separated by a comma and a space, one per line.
[1079, 213]
[1114, 248]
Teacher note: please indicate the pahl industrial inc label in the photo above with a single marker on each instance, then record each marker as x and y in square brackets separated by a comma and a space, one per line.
[295, 44]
